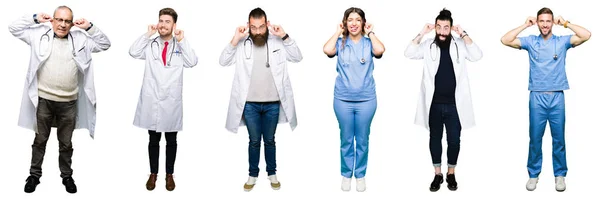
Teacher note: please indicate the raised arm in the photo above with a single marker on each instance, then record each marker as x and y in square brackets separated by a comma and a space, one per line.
[378, 47]
[189, 55]
[414, 50]
[473, 51]
[137, 49]
[292, 52]
[227, 57]
[510, 38]
[581, 34]
[330, 46]
[97, 40]
[22, 27]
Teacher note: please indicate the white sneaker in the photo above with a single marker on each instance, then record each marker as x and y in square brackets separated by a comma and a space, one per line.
[346, 183]
[275, 184]
[560, 183]
[250, 183]
[531, 184]
[361, 185]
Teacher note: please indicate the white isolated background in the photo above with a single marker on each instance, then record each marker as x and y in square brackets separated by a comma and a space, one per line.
[212, 162]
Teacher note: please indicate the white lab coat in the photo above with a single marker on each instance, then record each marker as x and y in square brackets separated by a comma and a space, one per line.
[160, 105]
[464, 105]
[279, 53]
[85, 44]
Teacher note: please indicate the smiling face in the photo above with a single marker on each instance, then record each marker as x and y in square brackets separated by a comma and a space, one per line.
[165, 25]
[442, 29]
[354, 24]
[62, 22]
[545, 22]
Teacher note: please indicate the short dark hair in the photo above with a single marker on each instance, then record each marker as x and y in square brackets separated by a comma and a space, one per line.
[170, 12]
[445, 15]
[545, 10]
[257, 13]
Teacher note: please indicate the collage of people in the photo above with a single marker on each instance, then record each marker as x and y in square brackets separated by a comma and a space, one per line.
[284, 99]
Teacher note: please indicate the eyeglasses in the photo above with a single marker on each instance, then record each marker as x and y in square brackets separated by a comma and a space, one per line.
[59, 20]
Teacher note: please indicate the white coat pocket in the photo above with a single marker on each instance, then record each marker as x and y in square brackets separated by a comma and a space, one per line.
[82, 56]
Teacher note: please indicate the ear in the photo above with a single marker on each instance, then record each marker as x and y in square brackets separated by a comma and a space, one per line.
[174, 26]
[268, 23]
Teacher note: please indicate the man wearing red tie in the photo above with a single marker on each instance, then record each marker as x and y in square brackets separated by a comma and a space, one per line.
[160, 106]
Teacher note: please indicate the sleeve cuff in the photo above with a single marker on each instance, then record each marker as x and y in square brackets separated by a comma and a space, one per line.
[92, 30]
[288, 41]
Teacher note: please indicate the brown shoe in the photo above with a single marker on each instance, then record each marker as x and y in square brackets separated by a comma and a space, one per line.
[170, 182]
[151, 183]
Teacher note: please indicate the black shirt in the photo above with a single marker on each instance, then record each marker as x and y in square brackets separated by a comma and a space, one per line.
[445, 80]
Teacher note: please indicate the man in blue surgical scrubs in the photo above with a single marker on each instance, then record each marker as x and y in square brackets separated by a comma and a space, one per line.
[547, 80]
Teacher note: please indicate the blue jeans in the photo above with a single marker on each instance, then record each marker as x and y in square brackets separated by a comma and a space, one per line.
[441, 115]
[354, 120]
[544, 107]
[261, 119]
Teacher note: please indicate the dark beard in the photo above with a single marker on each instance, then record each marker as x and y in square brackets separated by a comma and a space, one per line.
[259, 39]
[442, 44]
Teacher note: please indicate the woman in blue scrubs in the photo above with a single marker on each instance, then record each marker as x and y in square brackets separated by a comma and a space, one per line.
[355, 101]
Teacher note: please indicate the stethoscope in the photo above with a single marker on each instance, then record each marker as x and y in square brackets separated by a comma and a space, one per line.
[434, 58]
[251, 44]
[362, 59]
[47, 36]
[555, 57]
[158, 49]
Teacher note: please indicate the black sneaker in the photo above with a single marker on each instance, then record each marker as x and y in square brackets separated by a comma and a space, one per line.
[437, 181]
[69, 184]
[31, 183]
[451, 180]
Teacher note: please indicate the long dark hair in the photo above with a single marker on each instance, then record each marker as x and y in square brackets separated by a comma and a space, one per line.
[347, 13]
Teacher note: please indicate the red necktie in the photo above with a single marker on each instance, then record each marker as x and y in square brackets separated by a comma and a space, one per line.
[164, 53]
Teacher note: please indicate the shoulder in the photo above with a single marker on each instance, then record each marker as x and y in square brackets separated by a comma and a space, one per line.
[528, 37]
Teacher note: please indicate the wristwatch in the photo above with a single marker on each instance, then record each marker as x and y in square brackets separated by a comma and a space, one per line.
[35, 19]
[464, 34]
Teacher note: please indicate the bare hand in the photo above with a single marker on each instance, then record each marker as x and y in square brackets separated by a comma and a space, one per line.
[457, 29]
[428, 28]
[240, 32]
[82, 23]
[368, 27]
[530, 21]
[559, 20]
[43, 17]
[277, 30]
[179, 35]
[151, 30]
[340, 29]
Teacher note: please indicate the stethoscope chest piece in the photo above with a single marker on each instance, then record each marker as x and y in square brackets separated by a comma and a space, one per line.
[362, 60]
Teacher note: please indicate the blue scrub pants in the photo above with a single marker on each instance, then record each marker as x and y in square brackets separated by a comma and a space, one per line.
[543, 107]
[354, 118]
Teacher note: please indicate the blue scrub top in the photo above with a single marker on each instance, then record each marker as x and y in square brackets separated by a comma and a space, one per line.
[355, 79]
[546, 73]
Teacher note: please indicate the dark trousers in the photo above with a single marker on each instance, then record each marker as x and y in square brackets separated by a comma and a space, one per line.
[442, 115]
[154, 150]
[61, 115]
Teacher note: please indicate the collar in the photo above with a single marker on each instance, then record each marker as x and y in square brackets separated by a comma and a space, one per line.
[540, 38]
[56, 36]
[349, 41]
